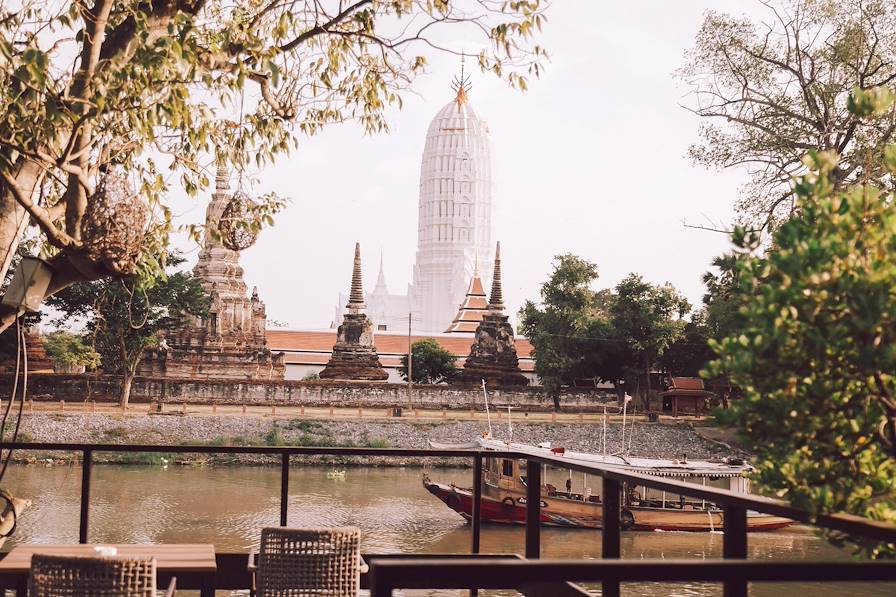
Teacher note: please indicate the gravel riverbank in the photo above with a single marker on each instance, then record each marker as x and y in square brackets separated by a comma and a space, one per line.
[646, 439]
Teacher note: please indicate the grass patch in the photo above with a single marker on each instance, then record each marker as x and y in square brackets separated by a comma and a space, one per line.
[275, 437]
[377, 443]
[117, 433]
[304, 426]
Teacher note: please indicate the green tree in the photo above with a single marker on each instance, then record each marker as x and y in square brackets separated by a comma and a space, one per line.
[125, 316]
[432, 363]
[723, 298]
[649, 318]
[70, 350]
[690, 353]
[770, 90]
[104, 102]
[570, 330]
[718, 319]
[815, 359]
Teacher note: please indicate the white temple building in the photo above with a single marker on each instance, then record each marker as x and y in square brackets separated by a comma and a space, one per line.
[454, 226]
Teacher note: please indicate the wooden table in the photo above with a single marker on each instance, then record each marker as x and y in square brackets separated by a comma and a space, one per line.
[193, 564]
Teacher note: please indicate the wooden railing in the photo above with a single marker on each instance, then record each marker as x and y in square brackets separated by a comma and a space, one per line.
[529, 575]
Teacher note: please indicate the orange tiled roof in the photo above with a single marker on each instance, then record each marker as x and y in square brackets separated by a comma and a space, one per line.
[470, 312]
[686, 383]
[322, 341]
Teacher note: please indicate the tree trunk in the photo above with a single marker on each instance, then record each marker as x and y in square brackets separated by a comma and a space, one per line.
[126, 382]
[647, 389]
[556, 397]
[619, 388]
[13, 217]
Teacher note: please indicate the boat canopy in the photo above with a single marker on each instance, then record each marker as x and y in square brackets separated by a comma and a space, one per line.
[660, 467]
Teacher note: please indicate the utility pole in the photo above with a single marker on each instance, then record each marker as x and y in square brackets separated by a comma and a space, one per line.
[410, 365]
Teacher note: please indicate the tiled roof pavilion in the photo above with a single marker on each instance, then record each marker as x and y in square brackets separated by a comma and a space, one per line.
[313, 347]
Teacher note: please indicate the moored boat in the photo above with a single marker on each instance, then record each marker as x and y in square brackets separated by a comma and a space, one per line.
[504, 492]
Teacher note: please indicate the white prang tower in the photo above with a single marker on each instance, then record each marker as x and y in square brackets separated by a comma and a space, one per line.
[455, 211]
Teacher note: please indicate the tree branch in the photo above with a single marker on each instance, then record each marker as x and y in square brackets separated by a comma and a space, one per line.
[322, 28]
[44, 219]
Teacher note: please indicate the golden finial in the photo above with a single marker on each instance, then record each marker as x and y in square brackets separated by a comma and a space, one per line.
[461, 85]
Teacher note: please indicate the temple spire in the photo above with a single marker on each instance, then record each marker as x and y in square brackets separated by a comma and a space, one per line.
[461, 85]
[356, 297]
[496, 301]
[381, 279]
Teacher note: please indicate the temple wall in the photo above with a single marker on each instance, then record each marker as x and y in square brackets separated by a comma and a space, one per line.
[77, 388]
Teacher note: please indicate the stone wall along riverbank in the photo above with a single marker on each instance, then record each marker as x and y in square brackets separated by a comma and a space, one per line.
[646, 439]
[105, 388]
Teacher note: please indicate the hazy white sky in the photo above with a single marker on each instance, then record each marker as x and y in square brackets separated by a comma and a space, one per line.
[591, 160]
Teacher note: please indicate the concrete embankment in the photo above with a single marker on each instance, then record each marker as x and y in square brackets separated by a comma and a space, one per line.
[645, 439]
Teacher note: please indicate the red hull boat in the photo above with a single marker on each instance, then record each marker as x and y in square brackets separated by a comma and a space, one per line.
[504, 495]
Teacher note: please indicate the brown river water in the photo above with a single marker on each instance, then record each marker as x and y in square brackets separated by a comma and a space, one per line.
[227, 506]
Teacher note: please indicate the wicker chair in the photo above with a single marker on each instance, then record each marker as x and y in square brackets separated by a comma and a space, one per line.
[306, 562]
[64, 576]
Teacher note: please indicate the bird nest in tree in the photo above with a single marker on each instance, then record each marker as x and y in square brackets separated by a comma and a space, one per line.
[236, 225]
[114, 225]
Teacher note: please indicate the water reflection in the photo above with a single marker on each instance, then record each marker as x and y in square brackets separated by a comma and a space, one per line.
[228, 506]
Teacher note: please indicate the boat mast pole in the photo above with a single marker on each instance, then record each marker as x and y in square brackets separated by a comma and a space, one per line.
[410, 365]
[509, 425]
[488, 415]
[604, 433]
[624, 408]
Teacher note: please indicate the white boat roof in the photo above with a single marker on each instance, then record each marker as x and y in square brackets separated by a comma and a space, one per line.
[649, 466]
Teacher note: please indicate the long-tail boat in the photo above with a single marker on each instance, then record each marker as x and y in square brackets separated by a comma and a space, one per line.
[576, 505]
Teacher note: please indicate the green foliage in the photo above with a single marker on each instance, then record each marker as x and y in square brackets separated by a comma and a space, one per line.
[815, 358]
[432, 363]
[274, 437]
[313, 435]
[69, 349]
[690, 353]
[311, 377]
[611, 336]
[721, 303]
[152, 83]
[649, 319]
[805, 75]
[719, 318]
[124, 316]
[570, 330]
[865, 103]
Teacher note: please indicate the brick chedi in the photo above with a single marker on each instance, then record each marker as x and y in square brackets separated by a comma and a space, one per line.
[493, 355]
[230, 343]
[354, 355]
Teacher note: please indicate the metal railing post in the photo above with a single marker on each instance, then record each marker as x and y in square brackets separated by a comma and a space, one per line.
[86, 464]
[476, 511]
[610, 549]
[735, 546]
[533, 509]
[284, 487]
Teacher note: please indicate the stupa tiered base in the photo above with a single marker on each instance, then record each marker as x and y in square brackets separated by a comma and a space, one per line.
[354, 356]
[493, 356]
